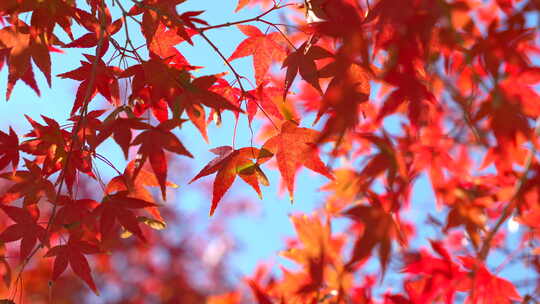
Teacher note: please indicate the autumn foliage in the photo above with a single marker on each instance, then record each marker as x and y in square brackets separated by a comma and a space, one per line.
[374, 96]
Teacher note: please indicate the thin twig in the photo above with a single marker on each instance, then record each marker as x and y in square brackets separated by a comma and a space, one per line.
[253, 19]
[61, 178]
[281, 32]
[200, 31]
[220, 54]
[509, 208]
[128, 39]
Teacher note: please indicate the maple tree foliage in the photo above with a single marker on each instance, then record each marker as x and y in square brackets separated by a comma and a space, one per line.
[375, 96]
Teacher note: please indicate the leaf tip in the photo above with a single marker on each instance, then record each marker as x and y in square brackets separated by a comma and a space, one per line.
[213, 208]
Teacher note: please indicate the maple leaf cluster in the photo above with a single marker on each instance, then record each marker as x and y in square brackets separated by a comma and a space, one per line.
[374, 96]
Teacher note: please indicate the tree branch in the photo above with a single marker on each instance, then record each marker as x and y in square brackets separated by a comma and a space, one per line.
[509, 208]
[253, 19]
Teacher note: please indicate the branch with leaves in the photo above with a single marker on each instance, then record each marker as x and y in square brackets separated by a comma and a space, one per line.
[441, 91]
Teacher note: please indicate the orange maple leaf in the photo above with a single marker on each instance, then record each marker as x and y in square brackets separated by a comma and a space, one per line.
[380, 228]
[19, 44]
[295, 147]
[263, 48]
[228, 164]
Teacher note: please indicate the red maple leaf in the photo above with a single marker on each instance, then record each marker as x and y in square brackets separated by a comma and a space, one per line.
[439, 276]
[9, 149]
[347, 91]
[104, 27]
[164, 12]
[31, 184]
[210, 91]
[338, 18]
[21, 45]
[259, 294]
[136, 185]
[263, 48]
[263, 98]
[153, 143]
[119, 207]
[303, 61]
[199, 91]
[51, 145]
[163, 44]
[231, 163]
[486, 287]
[106, 82]
[263, 3]
[121, 130]
[388, 159]
[155, 84]
[380, 228]
[295, 147]
[45, 16]
[412, 91]
[25, 229]
[73, 213]
[241, 4]
[89, 124]
[49, 142]
[72, 253]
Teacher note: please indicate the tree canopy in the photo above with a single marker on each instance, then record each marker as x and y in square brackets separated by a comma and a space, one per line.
[371, 95]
